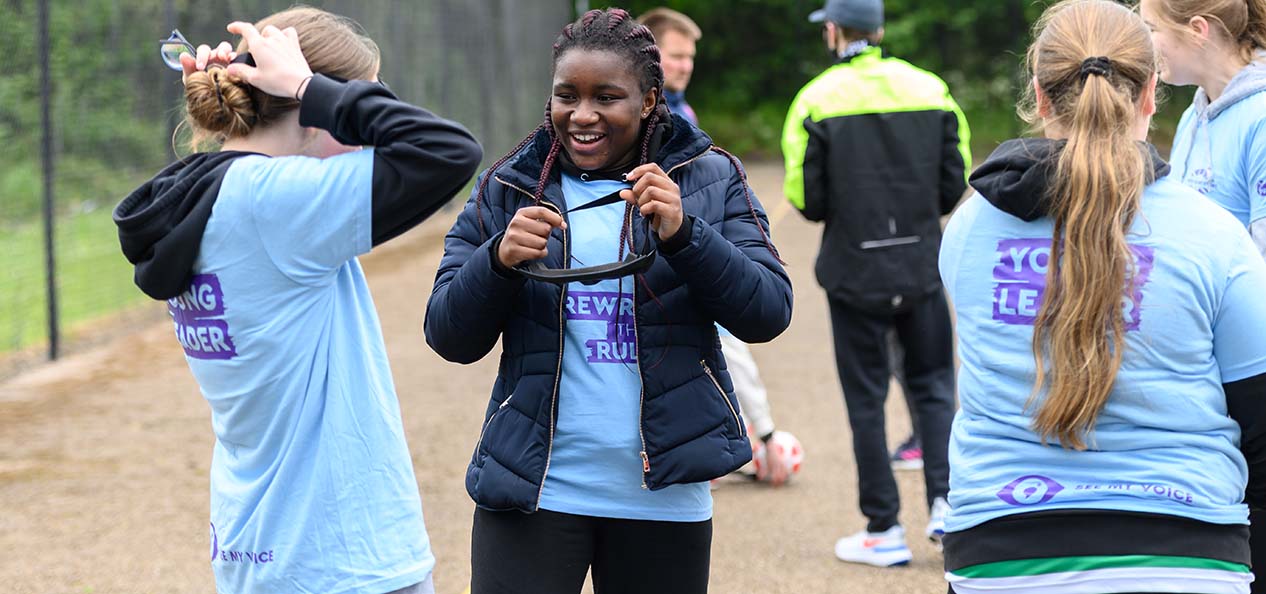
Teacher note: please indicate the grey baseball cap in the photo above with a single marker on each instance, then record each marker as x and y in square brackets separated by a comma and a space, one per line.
[863, 15]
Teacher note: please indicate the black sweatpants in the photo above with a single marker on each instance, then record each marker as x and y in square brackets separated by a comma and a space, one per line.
[550, 553]
[897, 360]
[862, 358]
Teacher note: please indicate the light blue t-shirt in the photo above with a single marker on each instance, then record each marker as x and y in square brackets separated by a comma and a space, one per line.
[1163, 443]
[312, 485]
[596, 464]
[1225, 158]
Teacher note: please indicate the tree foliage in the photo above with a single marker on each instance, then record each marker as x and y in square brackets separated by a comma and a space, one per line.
[756, 54]
[484, 63]
[115, 106]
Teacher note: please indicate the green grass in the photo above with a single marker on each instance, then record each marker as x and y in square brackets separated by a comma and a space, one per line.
[93, 277]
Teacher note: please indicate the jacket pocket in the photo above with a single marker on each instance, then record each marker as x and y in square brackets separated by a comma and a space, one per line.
[738, 422]
[500, 407]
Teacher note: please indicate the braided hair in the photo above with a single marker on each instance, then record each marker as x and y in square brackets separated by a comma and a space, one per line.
[612, 30]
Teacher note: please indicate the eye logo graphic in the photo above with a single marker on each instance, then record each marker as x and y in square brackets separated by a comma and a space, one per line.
[1030, 490]
[215, 543]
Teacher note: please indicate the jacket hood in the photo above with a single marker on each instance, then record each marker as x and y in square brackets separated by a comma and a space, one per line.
[1249, 81]
[1016, 178]
[161, 223]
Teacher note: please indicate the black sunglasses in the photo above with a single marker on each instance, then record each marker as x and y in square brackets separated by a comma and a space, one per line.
[588, 275]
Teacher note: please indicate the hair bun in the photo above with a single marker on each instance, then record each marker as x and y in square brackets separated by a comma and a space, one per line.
[219, 104]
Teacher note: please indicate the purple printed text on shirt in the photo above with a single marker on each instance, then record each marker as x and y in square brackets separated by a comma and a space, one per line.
[251, 557]
[1020, 279]
[197, 316]
[616, 310]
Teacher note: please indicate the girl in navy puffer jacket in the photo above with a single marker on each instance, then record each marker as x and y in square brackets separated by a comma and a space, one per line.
[612, 407]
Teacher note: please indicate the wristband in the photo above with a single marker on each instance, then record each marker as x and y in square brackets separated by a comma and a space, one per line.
[303, 83]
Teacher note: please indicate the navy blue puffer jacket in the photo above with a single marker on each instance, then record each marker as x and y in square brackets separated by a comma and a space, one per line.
[726, 273]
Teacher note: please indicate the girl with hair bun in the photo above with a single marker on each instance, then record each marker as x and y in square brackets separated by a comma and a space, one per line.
[1113, 454]
[1220, 145]
[254, 248]
[612, 407]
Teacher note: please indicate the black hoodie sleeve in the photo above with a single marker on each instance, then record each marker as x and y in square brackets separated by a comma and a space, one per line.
[420, 159]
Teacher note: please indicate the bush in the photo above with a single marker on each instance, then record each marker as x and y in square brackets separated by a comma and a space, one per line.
[752, 134]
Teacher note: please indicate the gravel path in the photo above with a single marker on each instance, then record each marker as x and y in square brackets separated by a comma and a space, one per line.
[104, 456]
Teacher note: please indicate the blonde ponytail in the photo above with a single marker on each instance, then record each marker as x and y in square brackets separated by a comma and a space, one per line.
[1093, 60]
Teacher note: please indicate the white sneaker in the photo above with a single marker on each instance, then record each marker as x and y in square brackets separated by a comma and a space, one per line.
[881, 549]
[936, 521]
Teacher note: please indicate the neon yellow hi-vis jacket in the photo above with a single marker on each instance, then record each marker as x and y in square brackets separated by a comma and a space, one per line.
[878, 150]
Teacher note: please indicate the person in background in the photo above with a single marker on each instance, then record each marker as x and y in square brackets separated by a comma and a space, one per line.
[877, 149]
[676, 35]
[1220, 145]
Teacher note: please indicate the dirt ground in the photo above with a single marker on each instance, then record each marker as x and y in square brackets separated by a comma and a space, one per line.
[104, 456]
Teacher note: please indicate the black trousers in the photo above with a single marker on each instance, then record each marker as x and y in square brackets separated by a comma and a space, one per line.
[862, 357]
[550, 553]
[897, 360]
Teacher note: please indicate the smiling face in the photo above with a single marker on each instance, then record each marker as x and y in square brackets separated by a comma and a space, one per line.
[1179, 49]
[597, 108]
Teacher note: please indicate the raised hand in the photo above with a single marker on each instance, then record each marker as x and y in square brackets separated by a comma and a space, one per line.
[657, 197]
[221, 55]
[280, 68]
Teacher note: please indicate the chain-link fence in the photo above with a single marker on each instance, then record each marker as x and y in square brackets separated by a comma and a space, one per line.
[114, 107]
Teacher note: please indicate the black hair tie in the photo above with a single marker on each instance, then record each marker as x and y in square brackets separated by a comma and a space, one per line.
[1099, 65]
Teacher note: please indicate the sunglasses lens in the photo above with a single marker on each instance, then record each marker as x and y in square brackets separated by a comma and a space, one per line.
[171, 53]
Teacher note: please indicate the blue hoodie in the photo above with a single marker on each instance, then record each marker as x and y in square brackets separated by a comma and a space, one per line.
[1220, 149]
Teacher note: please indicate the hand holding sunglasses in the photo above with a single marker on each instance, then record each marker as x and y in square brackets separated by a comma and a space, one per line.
[180, 55]
[527, 235]
[657, 197]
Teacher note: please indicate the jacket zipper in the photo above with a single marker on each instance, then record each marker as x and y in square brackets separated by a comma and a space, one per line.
[558, 373]
[688, 161]
[721, 393]
[641, 396]
[494, 414]
[562, 335]
[641, 383]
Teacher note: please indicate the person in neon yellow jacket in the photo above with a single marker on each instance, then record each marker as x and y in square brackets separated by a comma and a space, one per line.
[877, 149]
